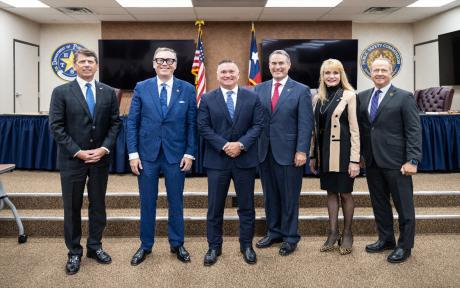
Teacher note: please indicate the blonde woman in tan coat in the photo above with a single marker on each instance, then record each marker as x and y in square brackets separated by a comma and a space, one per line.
[334, 152]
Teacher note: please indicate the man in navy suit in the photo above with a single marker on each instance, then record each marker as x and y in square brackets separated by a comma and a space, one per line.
[283, 145]
[391, 137]
[230, 119]
[161, 138]
[84, 121]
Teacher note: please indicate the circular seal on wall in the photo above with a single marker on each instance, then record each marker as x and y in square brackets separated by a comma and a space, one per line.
[380, 49]
[62, 61]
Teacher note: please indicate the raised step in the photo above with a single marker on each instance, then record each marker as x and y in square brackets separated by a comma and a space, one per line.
[119, 200]
[312, 221]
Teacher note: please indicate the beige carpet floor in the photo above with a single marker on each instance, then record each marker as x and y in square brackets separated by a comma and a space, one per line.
[40, 263]
[39, 181]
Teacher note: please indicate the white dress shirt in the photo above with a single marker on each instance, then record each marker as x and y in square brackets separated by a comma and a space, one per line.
[280, 88]
[381, 95]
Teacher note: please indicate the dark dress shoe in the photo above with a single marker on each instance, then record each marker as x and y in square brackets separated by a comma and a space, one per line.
[139, 256]
[181, 253]
[399, 255]
[100, 255]
[267, 242]
[287, 248]
[210, 258]
[249, 255]
[73, 264]
[379, 246]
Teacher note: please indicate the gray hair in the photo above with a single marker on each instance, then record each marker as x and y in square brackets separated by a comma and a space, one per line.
[280, 52]
[160, 49]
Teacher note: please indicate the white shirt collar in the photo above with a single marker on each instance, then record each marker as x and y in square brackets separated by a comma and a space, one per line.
[224, 91]
[283, 81]
[169, 83]
[82, 82]
[383, 89]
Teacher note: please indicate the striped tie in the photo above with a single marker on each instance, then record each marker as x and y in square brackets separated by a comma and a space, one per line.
[230, 104]
[374, 104]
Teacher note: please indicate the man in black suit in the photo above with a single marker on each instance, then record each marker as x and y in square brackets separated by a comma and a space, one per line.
[230, 119]
[283, 145]
[84, 121]
[391, 140]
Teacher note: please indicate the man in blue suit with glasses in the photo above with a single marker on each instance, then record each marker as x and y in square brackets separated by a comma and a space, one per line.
[161, 138]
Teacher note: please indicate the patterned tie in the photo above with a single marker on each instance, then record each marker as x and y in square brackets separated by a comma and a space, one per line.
[276, 95]
[164, 99]
[230, 104]
[374, 104]
[90, 99]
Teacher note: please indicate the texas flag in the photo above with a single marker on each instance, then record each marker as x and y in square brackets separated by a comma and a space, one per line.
[254, 76]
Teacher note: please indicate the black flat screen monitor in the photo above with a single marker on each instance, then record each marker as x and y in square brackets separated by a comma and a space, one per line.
[123, 63]
[449, 58]
[308, 55]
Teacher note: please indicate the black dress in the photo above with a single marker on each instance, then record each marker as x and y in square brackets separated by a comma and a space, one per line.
[338, 182]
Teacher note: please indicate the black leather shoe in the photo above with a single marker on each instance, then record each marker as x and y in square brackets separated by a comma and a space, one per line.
[287, 248]
[379, 246]
[181, 253]
[210, 258]
[399, 255]
[100, 255]
[249, 255]
[267, 242]
[73, 264]
[139, 256]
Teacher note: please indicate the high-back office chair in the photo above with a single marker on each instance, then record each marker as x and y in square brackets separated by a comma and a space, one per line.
[434, 99]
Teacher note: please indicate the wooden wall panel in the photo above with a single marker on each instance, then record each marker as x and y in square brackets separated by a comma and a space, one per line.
[228, 40]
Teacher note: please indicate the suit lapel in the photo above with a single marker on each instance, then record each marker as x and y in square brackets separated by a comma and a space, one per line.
[152, 89]
[284, 95]
[223, 105]
[267, 93]
[76, 90]
[368, 100]
[333, 106]
[176, 91]
[99, 97]
[388, 97]
[239, 104]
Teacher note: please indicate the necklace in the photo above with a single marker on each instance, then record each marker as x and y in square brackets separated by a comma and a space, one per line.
[330, 102]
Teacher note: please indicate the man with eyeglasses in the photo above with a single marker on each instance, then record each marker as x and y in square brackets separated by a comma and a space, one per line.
[161, 138]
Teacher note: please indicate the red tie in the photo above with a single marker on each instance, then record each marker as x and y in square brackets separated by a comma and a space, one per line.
[276, 95]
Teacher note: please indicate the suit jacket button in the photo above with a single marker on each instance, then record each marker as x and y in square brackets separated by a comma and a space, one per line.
[335, 126]
[333, 136]
[94, 127]
[91, 140]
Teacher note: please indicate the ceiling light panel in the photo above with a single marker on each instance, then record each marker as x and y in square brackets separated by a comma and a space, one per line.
[25, 3]
[302, 3]
[155, 3]
[430, 3]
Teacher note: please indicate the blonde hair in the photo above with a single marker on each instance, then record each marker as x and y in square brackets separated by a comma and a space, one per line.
[334, 64]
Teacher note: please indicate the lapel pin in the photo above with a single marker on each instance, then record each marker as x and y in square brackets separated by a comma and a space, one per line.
[177, 90]
[391, 94]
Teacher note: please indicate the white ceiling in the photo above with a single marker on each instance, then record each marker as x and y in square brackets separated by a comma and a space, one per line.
[224, 10]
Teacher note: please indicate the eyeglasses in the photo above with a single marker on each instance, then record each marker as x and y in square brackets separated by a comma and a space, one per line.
[168, 61]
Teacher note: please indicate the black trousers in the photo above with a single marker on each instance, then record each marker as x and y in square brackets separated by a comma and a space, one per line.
[281, 185]
[386, 183]
[74, 175]
[218, 184]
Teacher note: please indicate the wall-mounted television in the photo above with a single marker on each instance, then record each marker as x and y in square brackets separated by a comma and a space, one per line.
[449, 58]
[307, 55]
[123, 63]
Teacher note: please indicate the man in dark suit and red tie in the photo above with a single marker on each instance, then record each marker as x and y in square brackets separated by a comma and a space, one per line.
[161, 138]
[283, 147]
[84, 121]
[391, 141]
[230, 119]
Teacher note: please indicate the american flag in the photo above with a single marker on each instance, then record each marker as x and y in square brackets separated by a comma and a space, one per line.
[198, 68]
[254, 75]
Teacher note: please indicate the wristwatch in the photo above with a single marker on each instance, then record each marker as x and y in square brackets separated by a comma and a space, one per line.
[241, 146]
[414, 162]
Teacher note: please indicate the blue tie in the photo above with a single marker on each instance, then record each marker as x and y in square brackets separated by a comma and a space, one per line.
[164, 99]
[374, 104]
[230, 104]
[90, 99]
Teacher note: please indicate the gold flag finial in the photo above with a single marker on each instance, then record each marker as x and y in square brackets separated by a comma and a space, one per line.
[199, 22]
[252, 29]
